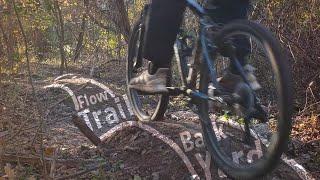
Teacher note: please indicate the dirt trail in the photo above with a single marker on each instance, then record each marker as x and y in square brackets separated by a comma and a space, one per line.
[171, 149]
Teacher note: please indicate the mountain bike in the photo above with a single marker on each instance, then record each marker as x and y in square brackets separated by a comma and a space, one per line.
[240, 112]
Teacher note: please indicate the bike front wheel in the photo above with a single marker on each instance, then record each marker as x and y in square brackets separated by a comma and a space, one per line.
[146, 107]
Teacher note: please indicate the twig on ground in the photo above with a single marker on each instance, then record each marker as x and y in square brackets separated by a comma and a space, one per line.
[313, 141]
[53, 164]
[37, 160]
[308, 107]
[18, 131]
[79, 173]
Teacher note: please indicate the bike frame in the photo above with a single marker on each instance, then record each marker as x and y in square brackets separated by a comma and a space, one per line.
[188, 87]
[208, 48]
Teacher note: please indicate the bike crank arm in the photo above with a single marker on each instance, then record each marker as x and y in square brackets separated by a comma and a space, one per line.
[198, 96]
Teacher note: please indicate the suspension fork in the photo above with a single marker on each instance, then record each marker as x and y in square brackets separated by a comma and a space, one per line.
[138, 62]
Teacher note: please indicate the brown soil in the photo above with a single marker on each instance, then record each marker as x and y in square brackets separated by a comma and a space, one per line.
[129, 154]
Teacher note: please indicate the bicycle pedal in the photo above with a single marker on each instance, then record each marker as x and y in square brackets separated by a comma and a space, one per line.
[174, 91]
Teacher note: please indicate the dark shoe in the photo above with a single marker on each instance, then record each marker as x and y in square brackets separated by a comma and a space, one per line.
[230, 81]
[153, 84]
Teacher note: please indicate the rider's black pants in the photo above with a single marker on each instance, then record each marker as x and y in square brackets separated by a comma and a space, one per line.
[165, 19]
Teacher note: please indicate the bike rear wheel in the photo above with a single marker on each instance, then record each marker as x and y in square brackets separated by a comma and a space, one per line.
[224, 134]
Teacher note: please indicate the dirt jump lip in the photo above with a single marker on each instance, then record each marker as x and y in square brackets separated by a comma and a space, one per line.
[92, 100]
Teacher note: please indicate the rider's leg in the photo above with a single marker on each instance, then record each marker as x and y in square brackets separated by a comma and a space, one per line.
[163, 25]
[225, 11]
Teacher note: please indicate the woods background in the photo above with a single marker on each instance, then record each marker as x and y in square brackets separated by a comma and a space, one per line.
[89, 34]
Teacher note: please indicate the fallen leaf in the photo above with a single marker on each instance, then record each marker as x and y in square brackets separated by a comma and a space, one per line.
[10, 172]
[49, 151]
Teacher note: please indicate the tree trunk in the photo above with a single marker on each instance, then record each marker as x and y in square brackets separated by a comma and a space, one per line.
[5, 40]
[81, 34]
[2, 54]
[80, 38]
[119, 48]
[117, 14]
[60, 33]
[123, 19]
[10, 38]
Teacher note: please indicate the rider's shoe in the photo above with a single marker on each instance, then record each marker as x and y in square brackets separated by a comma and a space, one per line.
[229, 81]
[151, 83]
[249, 70]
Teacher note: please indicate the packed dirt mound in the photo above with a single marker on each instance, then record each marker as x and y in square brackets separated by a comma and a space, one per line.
[144, 155]
[89, 132]
[170, 149]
